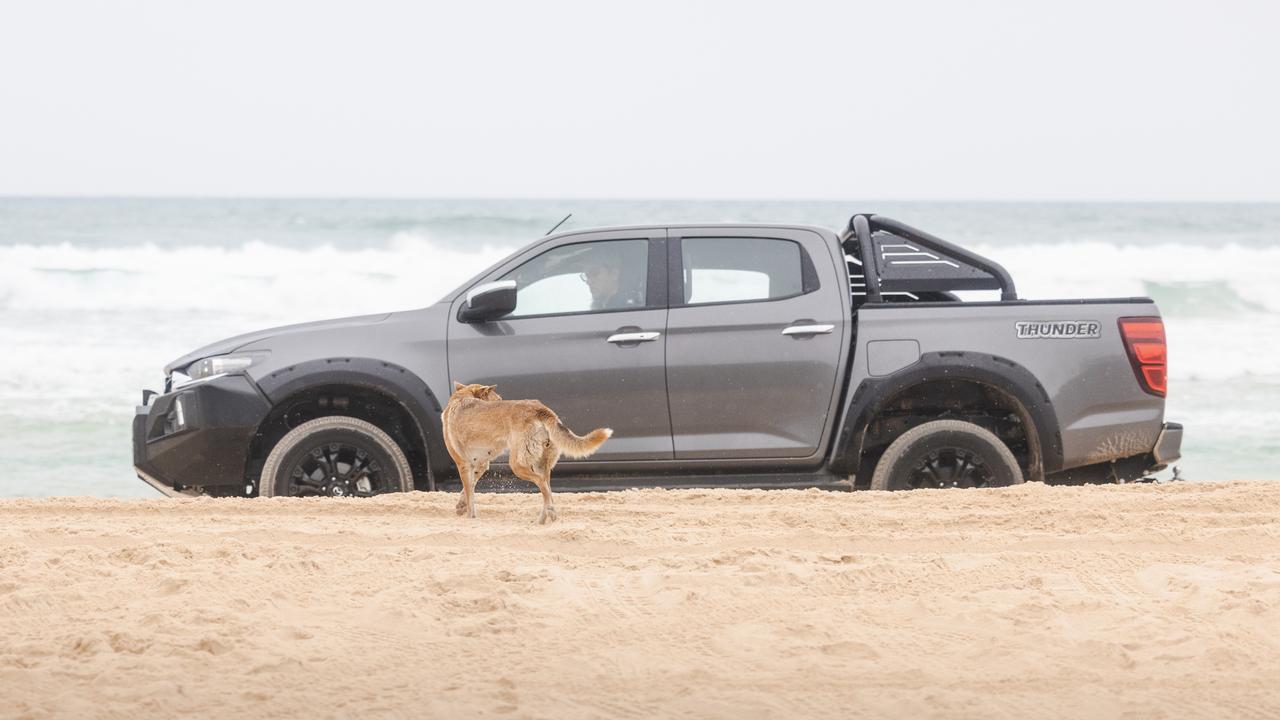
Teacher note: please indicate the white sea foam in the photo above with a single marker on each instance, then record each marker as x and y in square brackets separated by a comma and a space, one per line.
[411, 271]
[1218, 302]
[254, 278]
[70, 276]
[88, 327]
[1242, 277]
[1221, 311]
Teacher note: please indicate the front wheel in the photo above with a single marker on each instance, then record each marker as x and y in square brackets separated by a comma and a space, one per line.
[946, 454]
[335, 456]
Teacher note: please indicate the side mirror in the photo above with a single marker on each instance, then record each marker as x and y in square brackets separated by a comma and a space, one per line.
[489, 301]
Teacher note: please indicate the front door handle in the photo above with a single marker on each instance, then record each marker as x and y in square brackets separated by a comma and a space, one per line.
[808, 329]
[633, 337]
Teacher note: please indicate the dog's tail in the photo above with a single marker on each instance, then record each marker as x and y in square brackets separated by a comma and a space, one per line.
[576, 446]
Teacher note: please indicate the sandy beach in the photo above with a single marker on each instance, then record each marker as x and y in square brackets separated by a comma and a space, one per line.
[1099, 602]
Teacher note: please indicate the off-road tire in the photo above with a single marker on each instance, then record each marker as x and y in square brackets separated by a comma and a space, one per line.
[910, 450]
[358, 430]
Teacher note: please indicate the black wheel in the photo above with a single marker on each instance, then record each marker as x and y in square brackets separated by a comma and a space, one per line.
[946, 454]
[335, 456]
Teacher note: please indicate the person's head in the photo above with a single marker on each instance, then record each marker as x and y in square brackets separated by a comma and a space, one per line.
[601, 276]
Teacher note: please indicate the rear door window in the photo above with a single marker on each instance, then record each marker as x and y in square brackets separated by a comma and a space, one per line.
[727, 269]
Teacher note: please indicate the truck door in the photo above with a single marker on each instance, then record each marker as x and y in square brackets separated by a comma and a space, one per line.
[587, 338]
[754, 337]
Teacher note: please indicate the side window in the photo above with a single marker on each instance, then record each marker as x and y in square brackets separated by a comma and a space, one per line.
[740, 269]
[585, 277]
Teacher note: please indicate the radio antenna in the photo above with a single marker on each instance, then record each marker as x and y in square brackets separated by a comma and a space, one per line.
[566, 217]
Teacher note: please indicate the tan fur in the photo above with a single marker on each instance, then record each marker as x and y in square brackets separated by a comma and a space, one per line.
[479, 425]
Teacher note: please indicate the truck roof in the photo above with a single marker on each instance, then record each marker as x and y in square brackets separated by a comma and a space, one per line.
[694, 225]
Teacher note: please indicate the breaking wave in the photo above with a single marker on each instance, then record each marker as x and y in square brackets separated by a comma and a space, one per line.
[411, 270]
[1217, 302]
[254, 279]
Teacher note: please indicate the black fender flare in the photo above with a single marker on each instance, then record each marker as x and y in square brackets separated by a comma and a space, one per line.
[399, 383]
[1000, 373]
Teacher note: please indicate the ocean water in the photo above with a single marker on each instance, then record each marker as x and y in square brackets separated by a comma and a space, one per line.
[96, 295]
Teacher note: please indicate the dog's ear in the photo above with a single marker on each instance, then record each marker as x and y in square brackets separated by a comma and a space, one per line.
[457, 386]
[491, 388]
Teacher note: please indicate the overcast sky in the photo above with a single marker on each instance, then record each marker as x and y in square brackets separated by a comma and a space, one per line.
[890, 100]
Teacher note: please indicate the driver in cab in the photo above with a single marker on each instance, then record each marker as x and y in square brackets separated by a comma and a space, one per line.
[609, 289]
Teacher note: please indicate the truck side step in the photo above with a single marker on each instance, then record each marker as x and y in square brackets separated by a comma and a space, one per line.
[500, 479]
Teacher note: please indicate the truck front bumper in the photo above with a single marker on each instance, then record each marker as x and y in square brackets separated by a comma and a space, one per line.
[198, 435]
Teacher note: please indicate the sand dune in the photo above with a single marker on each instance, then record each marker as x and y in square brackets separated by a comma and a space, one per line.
[1096, 602]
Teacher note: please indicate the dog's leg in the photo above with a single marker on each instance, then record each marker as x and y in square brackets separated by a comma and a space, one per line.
[522, 469]
[464, 502]
[477, 471]
[471, 494]
[548, 461]
[543, 481]
[548, 508]
[460, 463]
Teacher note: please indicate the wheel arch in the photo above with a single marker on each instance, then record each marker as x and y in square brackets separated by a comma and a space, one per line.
[1023, 394]
[397, 388]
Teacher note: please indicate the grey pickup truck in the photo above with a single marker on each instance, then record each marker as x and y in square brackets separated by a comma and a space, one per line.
[721, 355]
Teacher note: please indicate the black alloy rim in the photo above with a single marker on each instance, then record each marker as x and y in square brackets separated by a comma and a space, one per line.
[950, 467]
[337, 469]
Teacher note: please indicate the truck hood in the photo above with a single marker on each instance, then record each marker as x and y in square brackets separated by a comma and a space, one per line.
[222, 347]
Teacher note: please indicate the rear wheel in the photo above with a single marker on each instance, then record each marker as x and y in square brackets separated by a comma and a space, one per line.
[946, 454]
[335, 456]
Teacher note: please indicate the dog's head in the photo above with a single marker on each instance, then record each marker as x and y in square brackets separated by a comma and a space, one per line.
[479, 392]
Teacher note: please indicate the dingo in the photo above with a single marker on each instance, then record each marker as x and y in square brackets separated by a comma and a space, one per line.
[479, 425]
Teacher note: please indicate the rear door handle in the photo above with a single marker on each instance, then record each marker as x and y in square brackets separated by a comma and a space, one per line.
[808, 329]
[633, 337]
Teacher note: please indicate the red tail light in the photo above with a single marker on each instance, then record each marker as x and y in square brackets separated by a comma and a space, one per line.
[1144, 341]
